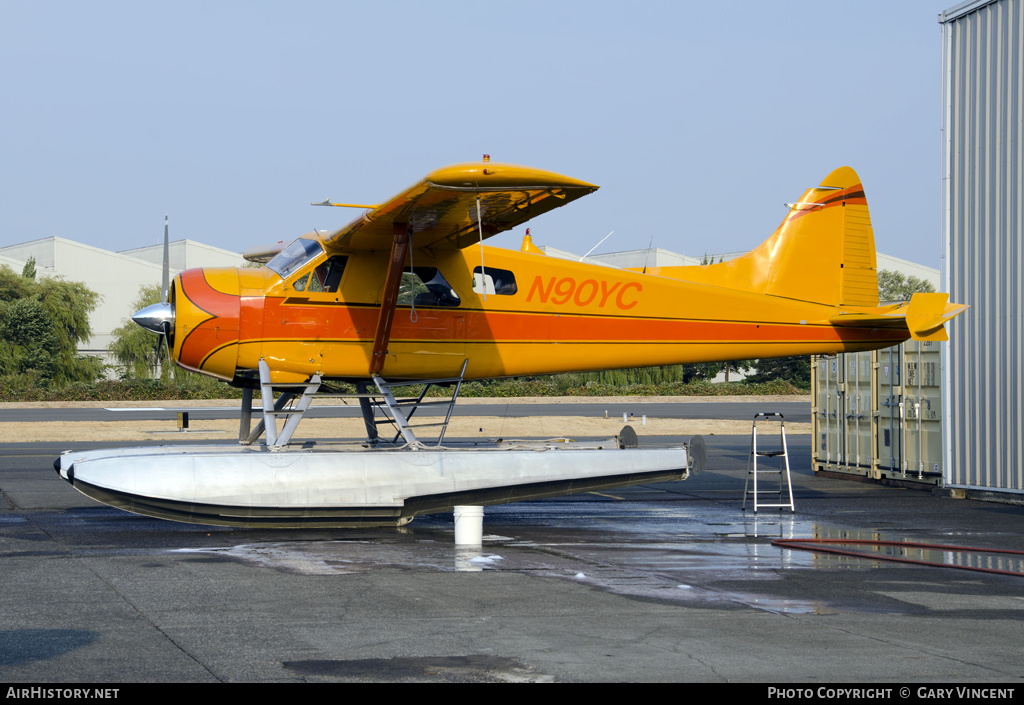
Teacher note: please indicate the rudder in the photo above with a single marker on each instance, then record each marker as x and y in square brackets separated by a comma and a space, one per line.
[823, 252]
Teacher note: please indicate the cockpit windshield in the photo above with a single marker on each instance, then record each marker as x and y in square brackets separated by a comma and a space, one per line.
[294, 256]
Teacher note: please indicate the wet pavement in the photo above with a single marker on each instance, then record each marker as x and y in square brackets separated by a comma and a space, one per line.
[668, 582]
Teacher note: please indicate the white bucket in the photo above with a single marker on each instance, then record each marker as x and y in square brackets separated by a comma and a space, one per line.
[469, 526]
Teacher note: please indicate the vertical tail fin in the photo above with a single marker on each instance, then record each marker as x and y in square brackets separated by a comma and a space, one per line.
[823, 252]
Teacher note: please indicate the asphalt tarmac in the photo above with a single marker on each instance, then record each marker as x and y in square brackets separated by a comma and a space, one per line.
[668, 582]
[167, 411]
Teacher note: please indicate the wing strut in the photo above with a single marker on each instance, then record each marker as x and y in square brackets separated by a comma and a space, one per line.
[480, 226]
[389, 301]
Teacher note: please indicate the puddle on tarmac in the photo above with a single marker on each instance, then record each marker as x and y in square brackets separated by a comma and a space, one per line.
[978, 559]
[653, 571]
[638, 551]
[681, 552]
[346, 557]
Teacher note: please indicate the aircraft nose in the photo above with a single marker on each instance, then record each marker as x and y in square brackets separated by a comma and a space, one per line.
[156, 317]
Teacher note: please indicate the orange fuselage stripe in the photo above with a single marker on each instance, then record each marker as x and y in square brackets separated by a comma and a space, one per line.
[340, 322]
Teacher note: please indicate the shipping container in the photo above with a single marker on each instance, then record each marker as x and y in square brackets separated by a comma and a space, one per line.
[877, 414]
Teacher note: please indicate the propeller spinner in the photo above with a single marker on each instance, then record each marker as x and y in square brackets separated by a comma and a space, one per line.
[158, 318]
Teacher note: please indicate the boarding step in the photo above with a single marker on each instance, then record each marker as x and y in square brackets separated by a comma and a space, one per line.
[392, 408]
[295, 397]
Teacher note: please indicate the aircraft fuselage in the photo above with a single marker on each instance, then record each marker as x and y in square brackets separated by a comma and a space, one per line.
[528, 314]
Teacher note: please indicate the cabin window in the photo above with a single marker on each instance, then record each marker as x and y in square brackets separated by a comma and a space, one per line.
[292, 258]
[425, 286]
[488, 280]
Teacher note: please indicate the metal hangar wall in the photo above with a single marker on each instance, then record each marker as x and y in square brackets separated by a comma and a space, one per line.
[983, 252]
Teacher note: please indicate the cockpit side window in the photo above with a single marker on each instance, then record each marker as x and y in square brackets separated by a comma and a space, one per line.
[301, 283]
[327, 275]
[425, 286]
[292, 258]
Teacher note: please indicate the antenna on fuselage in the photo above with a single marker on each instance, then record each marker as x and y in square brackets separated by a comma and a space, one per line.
[596, 246]
[647, 257]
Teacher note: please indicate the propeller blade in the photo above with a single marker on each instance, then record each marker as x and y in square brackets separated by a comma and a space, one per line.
[167, 336]
[165, 284]
[163, 336]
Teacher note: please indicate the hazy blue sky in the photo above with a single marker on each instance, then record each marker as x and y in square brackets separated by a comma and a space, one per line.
[698, 120]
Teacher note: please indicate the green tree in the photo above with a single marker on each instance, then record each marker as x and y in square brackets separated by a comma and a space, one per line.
[13, 286]
[28, 343]
[896, 286]
[29, 270]
[700, 371]
[68, 305]
[41, 325]
[134, 347]
[736, 366]
[795, 370]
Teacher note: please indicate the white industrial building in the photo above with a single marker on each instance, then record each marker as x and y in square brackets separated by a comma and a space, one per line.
[658, 257]
[115, 276]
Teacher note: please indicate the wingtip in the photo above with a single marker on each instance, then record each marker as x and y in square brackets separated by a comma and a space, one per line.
[501, 175]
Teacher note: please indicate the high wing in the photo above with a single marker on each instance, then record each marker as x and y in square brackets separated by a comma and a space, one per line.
[451, 207]
[441, 210]
[264, 253]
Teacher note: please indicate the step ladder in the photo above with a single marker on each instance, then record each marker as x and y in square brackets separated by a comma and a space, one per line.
[785, 484]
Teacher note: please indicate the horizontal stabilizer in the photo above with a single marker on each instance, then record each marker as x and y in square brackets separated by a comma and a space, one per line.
[924, 316]
[927, 315]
